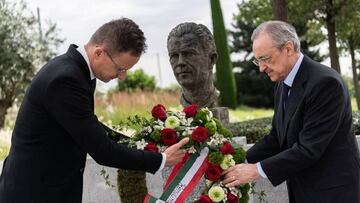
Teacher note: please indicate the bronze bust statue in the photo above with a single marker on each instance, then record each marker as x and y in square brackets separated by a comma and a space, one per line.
[192, 54]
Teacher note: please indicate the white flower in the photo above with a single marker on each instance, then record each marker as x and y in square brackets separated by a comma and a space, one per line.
[182, 115]
[216, 194]
[172, 122]
[235, 191]
[159, 122]
[208, 183]
[158, 127]
[146, 130]
[192, 150]
[217, 140]
[162, 148]
[227, 162]
[140, 144]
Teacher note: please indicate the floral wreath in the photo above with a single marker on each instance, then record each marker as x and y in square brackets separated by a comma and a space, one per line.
[166, 128]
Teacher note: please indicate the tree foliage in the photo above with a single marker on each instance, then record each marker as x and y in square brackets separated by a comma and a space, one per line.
[21, 51]
[256, 89]
[224, 76]
[137, 80]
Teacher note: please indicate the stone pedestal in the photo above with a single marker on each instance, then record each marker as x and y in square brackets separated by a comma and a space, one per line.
[221, 113]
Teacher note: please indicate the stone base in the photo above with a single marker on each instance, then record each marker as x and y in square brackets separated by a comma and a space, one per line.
[221, 113]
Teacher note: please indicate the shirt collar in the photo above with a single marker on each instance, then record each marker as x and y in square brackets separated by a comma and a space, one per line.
[291, 76]
[82, 51]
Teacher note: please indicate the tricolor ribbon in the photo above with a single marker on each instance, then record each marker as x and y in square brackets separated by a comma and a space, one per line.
[183, 179]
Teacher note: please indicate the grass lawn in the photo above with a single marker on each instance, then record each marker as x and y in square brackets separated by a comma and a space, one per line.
[244, 113]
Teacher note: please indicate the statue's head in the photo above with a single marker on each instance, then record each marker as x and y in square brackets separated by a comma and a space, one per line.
[192, 53]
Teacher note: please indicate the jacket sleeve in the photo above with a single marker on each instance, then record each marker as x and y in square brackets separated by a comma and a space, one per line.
[267, 146]
[113, 135]
[323, 114]
[70, 104]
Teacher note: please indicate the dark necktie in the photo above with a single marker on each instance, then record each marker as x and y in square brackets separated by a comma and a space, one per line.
[285, 94]
[93, 85]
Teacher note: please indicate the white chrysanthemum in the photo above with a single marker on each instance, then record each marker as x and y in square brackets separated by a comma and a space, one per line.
[140, 144]
[172, 122]
[227, 162]
[216, 194]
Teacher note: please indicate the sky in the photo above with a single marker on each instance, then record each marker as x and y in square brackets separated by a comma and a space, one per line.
[78, 19]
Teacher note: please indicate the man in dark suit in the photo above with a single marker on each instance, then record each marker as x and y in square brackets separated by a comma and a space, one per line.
[56, 126]
[311, 145]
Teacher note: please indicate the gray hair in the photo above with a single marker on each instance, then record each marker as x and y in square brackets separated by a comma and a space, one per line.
[281, 32]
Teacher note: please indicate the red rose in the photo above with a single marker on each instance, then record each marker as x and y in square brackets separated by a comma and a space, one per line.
[159, 112]
[151, 147]
[227, 148]
[191, 110]
[205, 199]
[214, 172]
[231, 198]
[200, 134]
[168, 136]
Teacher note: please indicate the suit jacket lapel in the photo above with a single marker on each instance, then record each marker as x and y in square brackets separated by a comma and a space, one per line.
[296, 93]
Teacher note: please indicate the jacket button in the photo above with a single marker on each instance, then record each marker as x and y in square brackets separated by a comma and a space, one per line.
[81, 169]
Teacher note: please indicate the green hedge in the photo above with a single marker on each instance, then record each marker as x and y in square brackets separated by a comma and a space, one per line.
[356, 122]
[255, 129]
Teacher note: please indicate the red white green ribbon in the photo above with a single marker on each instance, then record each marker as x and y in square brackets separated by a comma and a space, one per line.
[183, 179]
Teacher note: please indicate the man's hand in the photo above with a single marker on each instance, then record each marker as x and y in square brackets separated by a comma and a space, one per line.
[174, 154]
[240, 174]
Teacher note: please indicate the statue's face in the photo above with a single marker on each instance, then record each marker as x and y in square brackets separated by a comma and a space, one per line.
[190, 63]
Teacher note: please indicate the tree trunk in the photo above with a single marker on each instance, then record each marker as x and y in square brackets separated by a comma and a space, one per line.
[3, 110]
[354, 72]
[280, 10]
[330, 24]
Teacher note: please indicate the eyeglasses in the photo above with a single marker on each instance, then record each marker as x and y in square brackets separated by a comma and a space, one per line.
[118, 68]
[265, 59]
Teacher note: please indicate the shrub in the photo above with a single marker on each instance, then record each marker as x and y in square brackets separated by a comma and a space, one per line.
[137, 80]
[356, 122]
[253, 130]
[256, 129]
